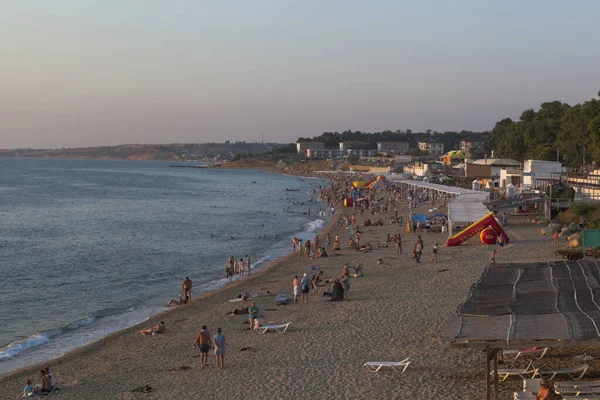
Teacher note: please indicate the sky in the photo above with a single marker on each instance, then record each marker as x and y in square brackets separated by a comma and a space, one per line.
[85, 73]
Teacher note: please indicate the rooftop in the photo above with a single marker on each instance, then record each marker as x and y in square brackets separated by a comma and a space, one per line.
[498, 162]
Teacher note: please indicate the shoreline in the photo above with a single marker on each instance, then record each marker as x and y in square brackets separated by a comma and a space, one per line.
[218, 289]
[398, 309]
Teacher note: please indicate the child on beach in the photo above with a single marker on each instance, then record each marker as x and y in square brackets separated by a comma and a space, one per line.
[28, 389]
[556, 243]
[435, 253]
[493, 257]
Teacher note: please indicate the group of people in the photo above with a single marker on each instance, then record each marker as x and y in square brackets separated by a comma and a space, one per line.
[237, 267]
[204, 342]
[47, 384]
[302, 288]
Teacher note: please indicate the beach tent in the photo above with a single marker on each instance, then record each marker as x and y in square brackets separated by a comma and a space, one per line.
[510, 190]
[476, 185]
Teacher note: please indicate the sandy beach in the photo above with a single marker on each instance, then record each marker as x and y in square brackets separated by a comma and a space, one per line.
[396, 310]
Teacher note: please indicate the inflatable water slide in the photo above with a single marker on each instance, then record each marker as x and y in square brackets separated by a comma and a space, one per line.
[487, 227]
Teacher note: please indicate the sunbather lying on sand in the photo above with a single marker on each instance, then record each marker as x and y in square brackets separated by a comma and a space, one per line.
[237, 311]
[158, 328]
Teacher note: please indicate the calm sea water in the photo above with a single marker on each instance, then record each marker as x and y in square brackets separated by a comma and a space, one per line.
[91, 247]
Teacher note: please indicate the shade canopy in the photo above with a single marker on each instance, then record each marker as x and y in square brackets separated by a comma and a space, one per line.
[554, 304]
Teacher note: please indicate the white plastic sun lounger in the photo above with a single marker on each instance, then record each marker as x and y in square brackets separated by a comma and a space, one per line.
[574, 373]
[504, 373]
[584, 397]
[521, 352]
[375, 366]
[579, 391]
[576, 385]
[279, 328]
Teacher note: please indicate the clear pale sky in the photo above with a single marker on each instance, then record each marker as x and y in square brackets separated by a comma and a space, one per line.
[81, 72]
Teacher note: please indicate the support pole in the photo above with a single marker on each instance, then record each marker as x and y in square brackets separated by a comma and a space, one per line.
[488, 391]
[495, 374]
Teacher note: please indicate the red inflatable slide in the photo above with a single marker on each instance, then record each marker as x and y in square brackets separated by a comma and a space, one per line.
[475, 229]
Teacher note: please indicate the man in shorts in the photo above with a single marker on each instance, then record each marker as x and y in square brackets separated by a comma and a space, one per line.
[305, 284]
[203, 342]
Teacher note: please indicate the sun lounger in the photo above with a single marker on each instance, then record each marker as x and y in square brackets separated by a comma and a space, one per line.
[524, 396]
[575, 385]
[279, 328]
[520, 352]
[281, 298]
[579, 391]
[573, 373]
[581, 397]
[375, 366]
[504, 373]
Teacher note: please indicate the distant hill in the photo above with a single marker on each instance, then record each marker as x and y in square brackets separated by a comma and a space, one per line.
[158, 152]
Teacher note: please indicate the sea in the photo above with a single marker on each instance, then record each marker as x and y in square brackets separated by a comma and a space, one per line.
[91, 247]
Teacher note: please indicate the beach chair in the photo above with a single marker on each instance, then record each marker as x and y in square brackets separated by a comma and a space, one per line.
[581, 397]
[524, 396]
[520, 352]
[573, 373]
[375, 366]
[504, 373]
[279, 328]
[570, 385]
[579, 391]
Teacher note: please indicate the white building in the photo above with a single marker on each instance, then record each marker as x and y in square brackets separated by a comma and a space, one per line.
[498, 164]
[537, 170]
[434, 148]
[303, 145]
[393, 147]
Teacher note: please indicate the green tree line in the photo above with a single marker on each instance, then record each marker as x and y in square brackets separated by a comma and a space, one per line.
[556, 129]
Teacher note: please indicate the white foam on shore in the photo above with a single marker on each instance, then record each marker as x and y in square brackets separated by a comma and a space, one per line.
[48, 345]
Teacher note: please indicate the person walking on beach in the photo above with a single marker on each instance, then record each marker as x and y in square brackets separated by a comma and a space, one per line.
[418, 249]
[315, 281]
[241, 268]
[296, 285]
[306, 284]
[398, 240]
[556, 241]
[187, 289]
[500, 242]
[435, 253]
[202, 341]
[252, 315]
[316, 243]
[307, 248]
[248, 264]
[219, 343]
[346, 284]
[328, 242]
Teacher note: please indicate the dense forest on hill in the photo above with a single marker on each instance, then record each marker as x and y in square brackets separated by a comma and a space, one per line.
[572, 130]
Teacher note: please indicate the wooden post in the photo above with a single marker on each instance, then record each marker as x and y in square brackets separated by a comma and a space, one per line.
[495, 374]
[488, 392]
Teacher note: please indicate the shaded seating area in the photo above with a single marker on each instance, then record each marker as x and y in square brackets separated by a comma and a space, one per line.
[527, 306]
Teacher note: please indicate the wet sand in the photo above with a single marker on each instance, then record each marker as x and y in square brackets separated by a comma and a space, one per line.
[398, 309]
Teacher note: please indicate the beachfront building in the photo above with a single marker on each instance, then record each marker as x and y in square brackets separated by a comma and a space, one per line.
[359, 152]
[473, 144]
[586, 185]
[323, 153]
[353, 145]
[510, 177]
[303, 145]
[421, 168]
[538, 172]
[393, 147]
[497, 164]
[434, 148]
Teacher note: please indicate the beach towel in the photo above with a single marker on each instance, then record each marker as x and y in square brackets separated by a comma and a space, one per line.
[314, 268]
[281, 298]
